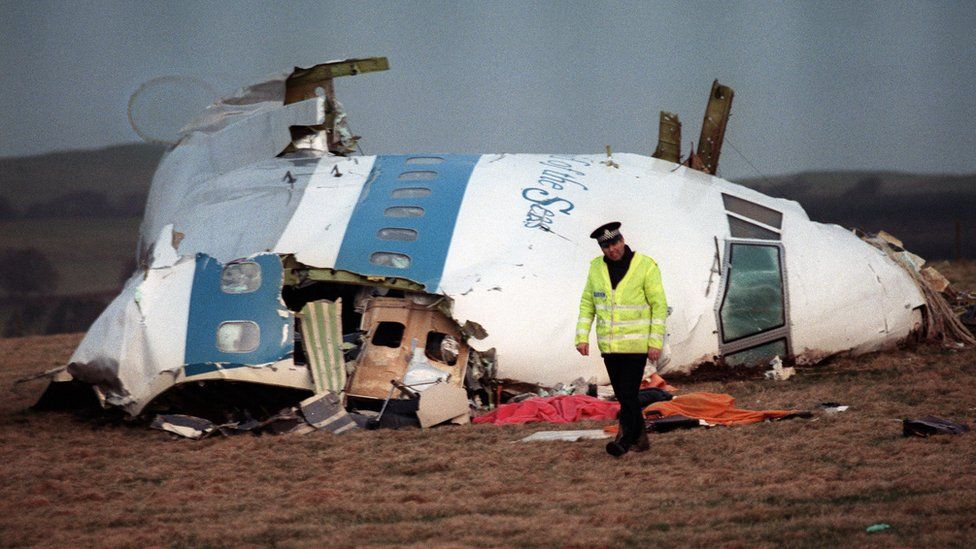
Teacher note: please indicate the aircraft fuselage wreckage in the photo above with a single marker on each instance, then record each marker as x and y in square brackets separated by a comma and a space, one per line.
[266, 241]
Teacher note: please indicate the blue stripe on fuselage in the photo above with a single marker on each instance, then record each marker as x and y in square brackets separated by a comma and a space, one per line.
[210, 307]
[434, 228]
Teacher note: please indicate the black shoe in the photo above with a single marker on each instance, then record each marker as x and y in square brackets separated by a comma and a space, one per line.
[642, 444]
[616, 449]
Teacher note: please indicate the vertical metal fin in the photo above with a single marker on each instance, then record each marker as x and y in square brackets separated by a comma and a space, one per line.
[713, 127]
[669, 138]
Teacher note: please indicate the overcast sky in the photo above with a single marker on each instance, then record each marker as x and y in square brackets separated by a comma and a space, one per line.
[819, 85]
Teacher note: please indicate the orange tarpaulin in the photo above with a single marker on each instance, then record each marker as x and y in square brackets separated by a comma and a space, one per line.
[711, 407]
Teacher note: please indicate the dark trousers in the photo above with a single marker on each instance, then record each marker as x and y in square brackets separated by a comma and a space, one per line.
[626, 371]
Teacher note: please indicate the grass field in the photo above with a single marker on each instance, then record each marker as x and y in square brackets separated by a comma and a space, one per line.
[67, 481]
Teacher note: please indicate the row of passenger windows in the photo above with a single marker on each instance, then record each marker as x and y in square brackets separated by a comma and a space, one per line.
[245, 277]
[398, 260]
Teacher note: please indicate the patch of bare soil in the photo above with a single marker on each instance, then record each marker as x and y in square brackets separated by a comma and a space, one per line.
[66, 481]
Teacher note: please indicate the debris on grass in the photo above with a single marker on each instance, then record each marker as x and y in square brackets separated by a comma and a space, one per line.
[779, 373]
[568, 436]
[931, 425]
[833, 407]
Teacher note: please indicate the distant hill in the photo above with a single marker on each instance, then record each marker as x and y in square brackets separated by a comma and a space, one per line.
[109, 182]
[81, 210]
[921, 210]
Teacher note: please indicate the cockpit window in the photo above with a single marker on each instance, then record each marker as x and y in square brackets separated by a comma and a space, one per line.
[740, 228]
[751, 210]
[757, 355]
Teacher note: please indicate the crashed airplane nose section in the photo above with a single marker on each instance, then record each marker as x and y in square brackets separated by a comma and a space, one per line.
[748, 277]
[252, 217]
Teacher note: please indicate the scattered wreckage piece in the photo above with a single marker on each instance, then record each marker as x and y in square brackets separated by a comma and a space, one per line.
[833, 407]
[931, 425]
[184, 426]
[322, 340]
[566, 436]
[321, 412]
[442, 403]
[778, 372]
[325, 411]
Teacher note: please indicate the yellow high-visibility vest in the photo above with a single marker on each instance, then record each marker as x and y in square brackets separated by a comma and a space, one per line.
[629, 318]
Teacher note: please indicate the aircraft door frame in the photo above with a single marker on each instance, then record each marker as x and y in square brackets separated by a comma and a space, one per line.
[765, 342]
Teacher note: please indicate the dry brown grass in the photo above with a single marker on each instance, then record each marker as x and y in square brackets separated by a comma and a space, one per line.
[819, 482]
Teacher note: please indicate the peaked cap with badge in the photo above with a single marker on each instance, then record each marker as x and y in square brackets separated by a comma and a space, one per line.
[607, 234]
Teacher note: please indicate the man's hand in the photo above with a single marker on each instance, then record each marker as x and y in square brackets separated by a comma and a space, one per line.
[583, 348]
[653, 354]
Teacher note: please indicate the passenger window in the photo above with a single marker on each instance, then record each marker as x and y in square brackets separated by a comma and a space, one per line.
[424, 160]
[392, 233]
[390, 259]
[404, 211]
[388, 334]
[753, 300]
[238, 336]
[240, 278]
[410, 192]
[420, 175]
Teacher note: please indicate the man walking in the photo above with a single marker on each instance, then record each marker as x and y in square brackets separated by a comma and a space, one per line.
[623, 290]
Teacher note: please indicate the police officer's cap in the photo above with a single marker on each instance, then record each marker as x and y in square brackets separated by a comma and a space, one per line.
[607, 234]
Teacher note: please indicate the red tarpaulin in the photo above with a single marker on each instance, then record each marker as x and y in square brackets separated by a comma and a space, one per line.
[554, 409]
